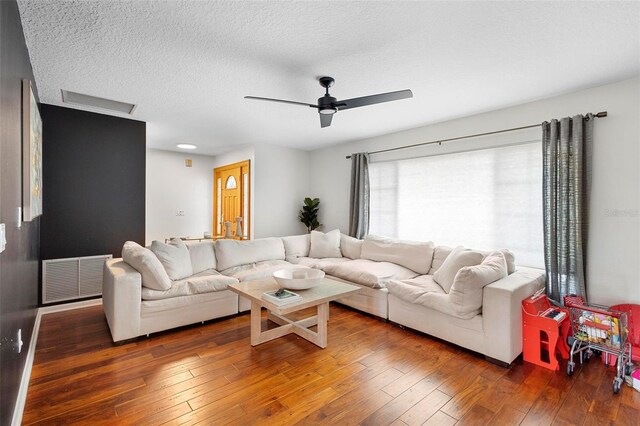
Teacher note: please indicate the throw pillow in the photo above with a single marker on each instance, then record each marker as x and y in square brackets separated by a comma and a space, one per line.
[202, 256]
[325, 245]
[459, 258]
[174, 257]
[296, 245]
[350, 247]
[144, 261]
[466, 292]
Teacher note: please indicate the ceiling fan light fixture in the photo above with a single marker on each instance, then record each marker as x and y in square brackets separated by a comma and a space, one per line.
[328, 111]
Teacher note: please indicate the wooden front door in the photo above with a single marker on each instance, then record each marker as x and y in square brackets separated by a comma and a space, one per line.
[231, 198]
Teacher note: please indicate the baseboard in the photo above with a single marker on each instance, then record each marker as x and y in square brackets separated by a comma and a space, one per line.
[21, 400]
[69, 306]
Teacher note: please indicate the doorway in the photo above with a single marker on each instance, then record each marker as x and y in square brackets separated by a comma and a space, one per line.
[231, 189]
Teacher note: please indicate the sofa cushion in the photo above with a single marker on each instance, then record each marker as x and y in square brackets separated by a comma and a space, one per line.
[509, 257]
[429, 296]
[174, 257]
[230, 253]
[202, 256]
[459, 257]
[425, 282]
[258, 270]
[144, 261]
[205, 282]
[297, 245]
[325, 245]
[350, 247]
[414, 255]
[466, 292]
[369, 273]
[316, 263]
[440, 253]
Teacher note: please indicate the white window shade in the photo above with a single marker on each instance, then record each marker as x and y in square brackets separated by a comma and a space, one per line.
[485, 199]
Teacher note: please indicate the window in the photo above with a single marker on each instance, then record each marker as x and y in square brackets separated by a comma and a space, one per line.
[231, 183]
[485, 199]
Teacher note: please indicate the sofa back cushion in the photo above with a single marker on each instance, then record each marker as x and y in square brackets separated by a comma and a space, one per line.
[466, 292]
[174, 257]
[325, 245]
[202, 255]
[230, 253]
[440, 254]
[509, 257]
[296, 245]
[350, 247]
[414, 255]
[147, 264]
[457, 259]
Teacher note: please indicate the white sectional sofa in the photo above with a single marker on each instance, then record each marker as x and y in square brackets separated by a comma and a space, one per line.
[468, 297]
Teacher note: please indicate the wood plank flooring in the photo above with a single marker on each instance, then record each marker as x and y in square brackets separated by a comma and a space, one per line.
[372, 373]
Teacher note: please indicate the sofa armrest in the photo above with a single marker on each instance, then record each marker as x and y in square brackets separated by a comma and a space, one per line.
[121, 299]
[502, 312]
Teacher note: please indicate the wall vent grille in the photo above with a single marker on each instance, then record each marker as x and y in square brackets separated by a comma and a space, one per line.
[80, 99]
[72, 278]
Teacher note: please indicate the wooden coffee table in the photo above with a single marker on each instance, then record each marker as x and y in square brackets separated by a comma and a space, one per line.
[318, 296]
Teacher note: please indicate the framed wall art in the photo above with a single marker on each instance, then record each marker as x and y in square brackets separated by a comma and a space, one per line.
[31, 155]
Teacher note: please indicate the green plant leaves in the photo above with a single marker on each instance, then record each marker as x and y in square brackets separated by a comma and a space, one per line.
[309, 213]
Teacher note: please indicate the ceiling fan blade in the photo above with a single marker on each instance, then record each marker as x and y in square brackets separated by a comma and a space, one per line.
[373, 99]
[325, 120]
[281, 101]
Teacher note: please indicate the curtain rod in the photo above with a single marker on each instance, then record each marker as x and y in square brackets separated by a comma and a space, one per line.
[601, 114]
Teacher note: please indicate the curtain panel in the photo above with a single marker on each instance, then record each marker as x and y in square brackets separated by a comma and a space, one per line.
[359, 198]
[566, 151]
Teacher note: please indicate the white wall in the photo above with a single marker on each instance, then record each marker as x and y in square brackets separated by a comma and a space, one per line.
[281, 184]
[614, 242]
[171, 187]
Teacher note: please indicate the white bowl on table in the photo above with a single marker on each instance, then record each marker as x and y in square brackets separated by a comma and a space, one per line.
[298, 278]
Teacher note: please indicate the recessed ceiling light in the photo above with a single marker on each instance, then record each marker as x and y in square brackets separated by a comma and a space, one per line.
[186, 146]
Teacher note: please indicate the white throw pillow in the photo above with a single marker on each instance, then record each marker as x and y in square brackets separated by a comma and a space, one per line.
[144, 261]
[202, 256]
[350, 247]
[325, 245]
[415, 255]
[440, 254]
[296, 245]
[458, 258]
[466, 292]
[174, 257]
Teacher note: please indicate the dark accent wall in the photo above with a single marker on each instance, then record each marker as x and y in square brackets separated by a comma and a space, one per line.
[19, 261]
[93, 183]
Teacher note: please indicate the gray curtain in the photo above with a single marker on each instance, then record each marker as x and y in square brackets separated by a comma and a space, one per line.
[359, 201]
[566, 150]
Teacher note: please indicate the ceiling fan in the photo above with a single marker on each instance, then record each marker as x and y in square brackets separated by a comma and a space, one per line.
[328, 105]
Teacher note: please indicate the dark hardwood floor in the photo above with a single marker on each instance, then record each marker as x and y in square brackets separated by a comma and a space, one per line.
[372, 373]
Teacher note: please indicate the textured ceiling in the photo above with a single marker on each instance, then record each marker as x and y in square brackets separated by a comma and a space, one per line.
[188, 64]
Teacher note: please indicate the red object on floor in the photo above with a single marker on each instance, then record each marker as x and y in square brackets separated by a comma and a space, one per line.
[572, 300]
[633, 320]
[544, 336]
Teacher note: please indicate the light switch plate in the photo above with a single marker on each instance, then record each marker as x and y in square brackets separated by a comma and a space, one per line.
[3, 239]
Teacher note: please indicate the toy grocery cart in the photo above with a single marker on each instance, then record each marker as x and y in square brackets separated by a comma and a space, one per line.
[600, 328]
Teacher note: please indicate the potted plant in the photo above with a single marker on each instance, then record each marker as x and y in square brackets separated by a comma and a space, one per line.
[309, 213]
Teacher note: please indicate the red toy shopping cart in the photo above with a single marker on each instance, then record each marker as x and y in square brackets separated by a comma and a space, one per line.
[600, 328]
